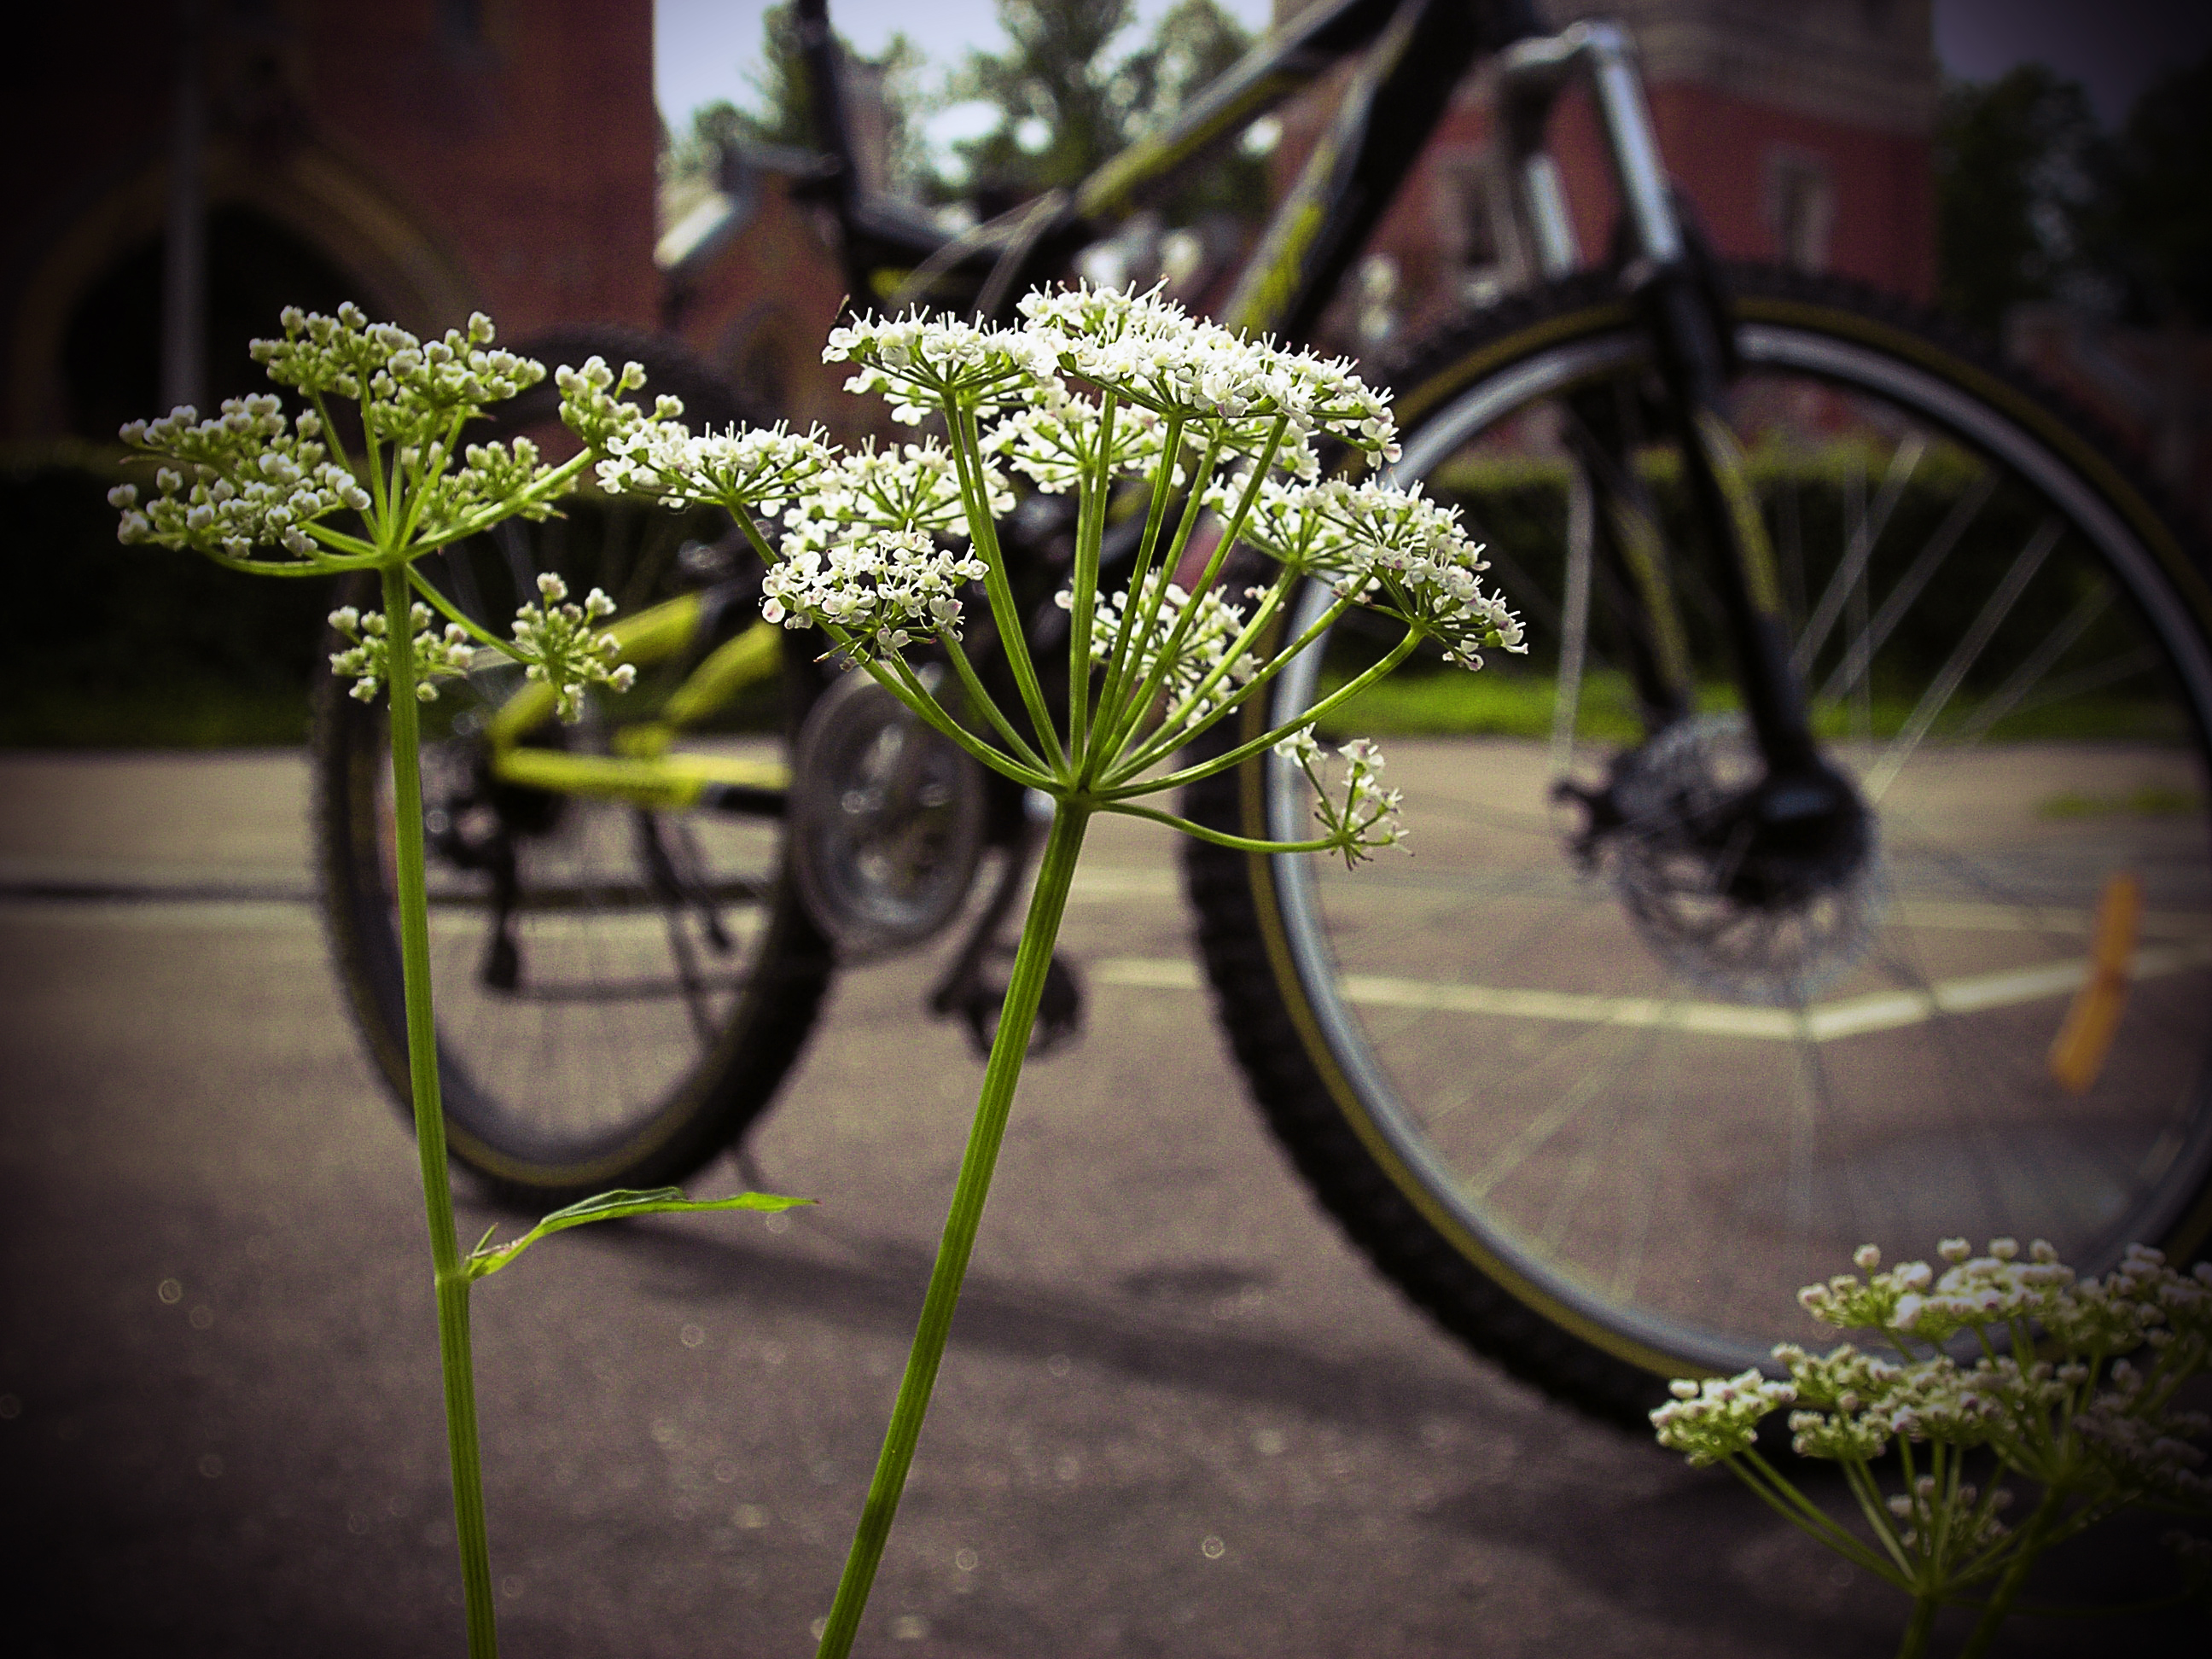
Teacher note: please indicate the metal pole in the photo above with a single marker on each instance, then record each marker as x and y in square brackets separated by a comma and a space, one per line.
[183, 248]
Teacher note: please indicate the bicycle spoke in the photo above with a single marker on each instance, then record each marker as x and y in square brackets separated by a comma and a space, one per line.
[1534, 1134]
[1628, 1261]
[1574, 622]
[1903, 463]
[2097, 678]
[1968, 653]
[1848, 673]
[2039, 662]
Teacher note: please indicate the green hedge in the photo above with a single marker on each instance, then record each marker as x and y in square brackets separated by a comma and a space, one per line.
[1519, 508]
[105, 645]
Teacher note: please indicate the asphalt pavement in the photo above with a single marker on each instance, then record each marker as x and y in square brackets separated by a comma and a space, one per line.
[1179, 1415]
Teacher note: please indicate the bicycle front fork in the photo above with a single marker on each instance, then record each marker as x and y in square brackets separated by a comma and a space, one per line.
[1803, 825]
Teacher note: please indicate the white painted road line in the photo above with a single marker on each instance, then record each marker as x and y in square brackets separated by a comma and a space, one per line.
[1824, 1021]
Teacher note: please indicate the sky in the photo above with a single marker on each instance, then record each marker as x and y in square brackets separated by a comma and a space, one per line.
[702, 48]
[2115, 48]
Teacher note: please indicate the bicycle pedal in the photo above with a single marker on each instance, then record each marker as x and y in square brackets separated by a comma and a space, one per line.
[1059, 1016]
[501, 969]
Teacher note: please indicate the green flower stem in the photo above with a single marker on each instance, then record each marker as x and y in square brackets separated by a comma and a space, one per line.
[1009, 1047]
[1867, 1491]
[1169, 651]
[548, 487]
[1129, 701]
[261, 567]
[976, 495]
[985, 705]
[433, 465]
[1127, 662]
[1779, 1493]
[898, 677]
[1920, 1626]
[2034, 1537]
[1170, 734]
[451, 1278]
[329, 437]
[1166, 741]
[351, 553]
[1222, 837]
[1083, 584]
[1147, 546]
[1268, 739]
[1247, 639]
[373, 464]
[427, 590]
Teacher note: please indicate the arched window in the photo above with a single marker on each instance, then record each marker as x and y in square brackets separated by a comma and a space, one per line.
[112, 343]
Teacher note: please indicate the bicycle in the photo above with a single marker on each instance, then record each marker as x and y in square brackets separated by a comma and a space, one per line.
[1838, 864]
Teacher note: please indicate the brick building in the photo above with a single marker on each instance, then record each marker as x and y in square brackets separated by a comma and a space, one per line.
[421, 157]
[752, 281]
[431, 156]
[1800, 134]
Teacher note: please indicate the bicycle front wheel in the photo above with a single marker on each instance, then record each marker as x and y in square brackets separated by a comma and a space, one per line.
[1597, 1111]
[620, 985]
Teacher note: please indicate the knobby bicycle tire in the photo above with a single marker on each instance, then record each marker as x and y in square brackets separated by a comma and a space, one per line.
[1606, 1146]
[657, 974]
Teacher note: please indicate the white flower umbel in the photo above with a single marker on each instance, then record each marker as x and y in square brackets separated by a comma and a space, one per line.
[367, 659]
[760, 469]
[266, 492]
[2071, 1391]
[1142, 414]
[906, 487]
[1366, 817]
[876, 591]
[1056, 446]
[1146, 350]
[271, 491]
[1718, 1418]
[1208, 666]
[558, 641]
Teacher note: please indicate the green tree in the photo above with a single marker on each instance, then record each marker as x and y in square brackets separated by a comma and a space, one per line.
[1196, 42]
[2151, 229]
[2017, 163]
[780, 110]
[1066, 100]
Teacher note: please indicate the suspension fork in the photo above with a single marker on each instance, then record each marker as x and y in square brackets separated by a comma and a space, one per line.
[1691, 334]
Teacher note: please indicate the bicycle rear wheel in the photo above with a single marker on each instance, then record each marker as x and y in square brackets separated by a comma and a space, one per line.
[619, 989]
[1601, 1117]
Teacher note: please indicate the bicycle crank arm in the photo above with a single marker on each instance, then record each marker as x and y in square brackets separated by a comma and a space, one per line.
[966, 992]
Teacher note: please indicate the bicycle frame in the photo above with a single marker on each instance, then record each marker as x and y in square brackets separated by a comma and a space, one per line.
[1410, 56]
[641, 770]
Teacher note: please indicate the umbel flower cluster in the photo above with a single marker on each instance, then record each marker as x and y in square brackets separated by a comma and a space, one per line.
[272, 493]
[1117, 399]
[2068, 1384]
[888, 551]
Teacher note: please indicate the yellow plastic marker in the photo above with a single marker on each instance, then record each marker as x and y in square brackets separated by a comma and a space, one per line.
[2078, 1052]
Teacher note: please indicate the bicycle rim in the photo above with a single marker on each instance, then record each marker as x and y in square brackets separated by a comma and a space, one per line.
[1646, 1117]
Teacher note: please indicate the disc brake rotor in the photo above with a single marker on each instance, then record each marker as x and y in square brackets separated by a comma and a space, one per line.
[1675, 859]
[887, 820]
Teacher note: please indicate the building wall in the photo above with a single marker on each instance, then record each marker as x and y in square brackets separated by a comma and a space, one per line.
[437, 155]
[757, 294]
[1800, 134]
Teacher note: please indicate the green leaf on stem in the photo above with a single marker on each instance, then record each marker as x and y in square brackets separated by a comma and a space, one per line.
[489, 1258]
